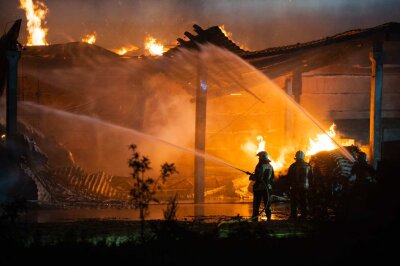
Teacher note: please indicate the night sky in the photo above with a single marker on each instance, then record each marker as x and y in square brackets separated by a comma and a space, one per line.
[257, 24]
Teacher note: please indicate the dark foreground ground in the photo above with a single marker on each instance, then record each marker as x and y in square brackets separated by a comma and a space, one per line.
[364, 237]
[234, 242]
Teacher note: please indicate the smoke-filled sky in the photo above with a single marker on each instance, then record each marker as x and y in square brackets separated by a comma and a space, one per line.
[256, 24]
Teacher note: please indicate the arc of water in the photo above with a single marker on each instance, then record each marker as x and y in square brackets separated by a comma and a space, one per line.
[128, 130]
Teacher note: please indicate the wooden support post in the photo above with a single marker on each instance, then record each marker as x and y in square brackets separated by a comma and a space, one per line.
[200, 132]
[375, 132]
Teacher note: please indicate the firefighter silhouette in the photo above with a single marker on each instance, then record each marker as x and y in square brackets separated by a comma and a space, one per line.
[262, 177]
[299, 179]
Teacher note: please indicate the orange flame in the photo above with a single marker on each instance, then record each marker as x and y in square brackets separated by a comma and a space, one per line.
[35, 15]
[153, 47]
[90, 38]
[123, 50]
[277, 164]
[225, 32]
[229, 35]
[324, 142]
[261, 144]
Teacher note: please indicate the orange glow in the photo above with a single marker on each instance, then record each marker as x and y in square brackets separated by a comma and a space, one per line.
[153, 47]
[244, 47]
[123, 50]
[261, 144]
[324, 142]
[229, 35]
[90, 38]
[252, 148]
[225, 32]
[35, 15]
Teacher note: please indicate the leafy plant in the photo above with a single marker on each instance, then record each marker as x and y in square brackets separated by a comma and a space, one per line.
[172, 208]
[145, 188]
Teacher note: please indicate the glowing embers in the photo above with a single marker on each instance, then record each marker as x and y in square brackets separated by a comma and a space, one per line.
[35, 14]
[324, 142]
[125, 49]
[90, 38]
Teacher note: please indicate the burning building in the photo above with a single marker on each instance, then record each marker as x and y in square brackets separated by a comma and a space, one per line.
[209, 95]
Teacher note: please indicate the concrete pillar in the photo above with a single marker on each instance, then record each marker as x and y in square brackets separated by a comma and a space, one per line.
[11, 106]
[297, 85]
[375, 131]
[296, 92]
[200, 132]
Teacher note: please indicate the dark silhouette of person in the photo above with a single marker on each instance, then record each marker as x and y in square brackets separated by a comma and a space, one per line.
[363, 171]
[361, 198]
[299, 178]
[263, 177]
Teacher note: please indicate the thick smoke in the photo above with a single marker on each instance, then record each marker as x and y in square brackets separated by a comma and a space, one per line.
[257, 24]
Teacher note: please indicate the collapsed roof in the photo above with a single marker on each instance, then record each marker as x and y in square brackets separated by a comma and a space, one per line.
[302, 57]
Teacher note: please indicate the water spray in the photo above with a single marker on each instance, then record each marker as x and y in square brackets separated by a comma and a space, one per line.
[347, 154]
[131, 131]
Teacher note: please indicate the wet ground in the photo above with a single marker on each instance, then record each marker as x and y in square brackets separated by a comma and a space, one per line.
[208, 212]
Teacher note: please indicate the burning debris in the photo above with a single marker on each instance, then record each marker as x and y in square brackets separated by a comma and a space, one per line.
[333, 181]
[90, 38]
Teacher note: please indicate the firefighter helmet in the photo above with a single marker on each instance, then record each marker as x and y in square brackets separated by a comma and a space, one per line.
[299, 155]
[263, 154]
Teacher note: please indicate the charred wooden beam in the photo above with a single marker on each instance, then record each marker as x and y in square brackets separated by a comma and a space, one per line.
[189, 35]
[8, 42]
[9, 56]
[198, 29]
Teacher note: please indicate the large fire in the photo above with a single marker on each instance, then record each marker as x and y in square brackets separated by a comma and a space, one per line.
[324, 142]
[277, 164]
[90, 38]
[123, 50]
[153, 47]
[35, 14]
